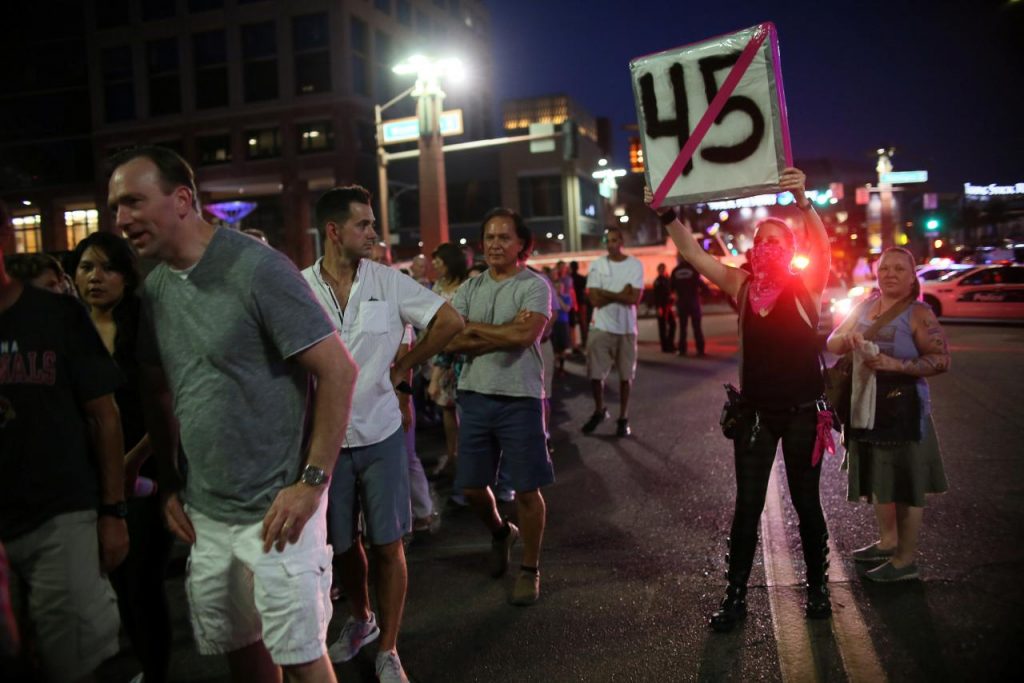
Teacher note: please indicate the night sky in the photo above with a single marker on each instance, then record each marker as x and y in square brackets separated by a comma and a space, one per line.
[940, 81]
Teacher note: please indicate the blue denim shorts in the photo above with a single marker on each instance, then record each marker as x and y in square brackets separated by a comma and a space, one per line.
[502, 429]
[375, 480]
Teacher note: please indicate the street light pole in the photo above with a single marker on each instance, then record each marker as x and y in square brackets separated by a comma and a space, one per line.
[383, 215]
[433, 189]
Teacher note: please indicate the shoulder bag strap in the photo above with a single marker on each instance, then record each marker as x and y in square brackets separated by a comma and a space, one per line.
[741, 302]
[890, 315]
[807, 302]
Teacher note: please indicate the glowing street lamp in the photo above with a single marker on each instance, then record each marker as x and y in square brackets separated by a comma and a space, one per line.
[429, 95]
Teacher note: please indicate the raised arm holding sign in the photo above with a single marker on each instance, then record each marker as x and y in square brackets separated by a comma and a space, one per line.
[731, 87]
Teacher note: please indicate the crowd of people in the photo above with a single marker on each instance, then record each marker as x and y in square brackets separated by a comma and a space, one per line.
[116, 394]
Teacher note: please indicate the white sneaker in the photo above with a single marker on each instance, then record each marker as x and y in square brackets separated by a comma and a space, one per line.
[389, 668]
[354, 635]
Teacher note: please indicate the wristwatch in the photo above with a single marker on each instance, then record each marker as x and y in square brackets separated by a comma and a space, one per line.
[118, 509]
[314, 476]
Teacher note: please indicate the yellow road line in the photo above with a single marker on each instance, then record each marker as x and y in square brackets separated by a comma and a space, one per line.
[852, 637]
[792, 638]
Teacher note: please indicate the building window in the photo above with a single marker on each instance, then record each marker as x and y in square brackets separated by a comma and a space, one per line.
[164, 77]
[403, 9]
[315, 137]
[28, 234]
[366, 136]
[540, 196]
[173, 145]
[263, 143]
[157, 9]
[118, 86]
[259, 54]
[383, 6]
[382, 54]
[312, 54]
[113, 13]
[80, 224]
[196, 6]
[214, 149]
[209, 52]
[360, 57]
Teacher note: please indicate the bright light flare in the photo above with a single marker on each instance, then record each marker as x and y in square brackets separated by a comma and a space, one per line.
[800, 262]
[841, 307]
[431, 71]
[855, 292]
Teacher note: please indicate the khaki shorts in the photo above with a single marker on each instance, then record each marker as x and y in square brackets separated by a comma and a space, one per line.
[70, 602]
[237, 594]
[605, 350]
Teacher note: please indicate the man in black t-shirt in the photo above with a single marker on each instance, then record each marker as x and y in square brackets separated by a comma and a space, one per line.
[61, 473]
[666, 316]
[688, 285]
[583, 310]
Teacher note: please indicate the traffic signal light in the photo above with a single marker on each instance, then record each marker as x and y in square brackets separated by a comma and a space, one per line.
[932, 224]
[636, 155]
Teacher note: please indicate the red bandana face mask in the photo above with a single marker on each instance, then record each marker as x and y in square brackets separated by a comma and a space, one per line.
[770, 264]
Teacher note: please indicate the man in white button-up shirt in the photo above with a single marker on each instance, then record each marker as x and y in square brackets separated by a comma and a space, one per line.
[370, 305]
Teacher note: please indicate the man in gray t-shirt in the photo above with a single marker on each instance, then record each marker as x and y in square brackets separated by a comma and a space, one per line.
[231, 337]
[500, 394]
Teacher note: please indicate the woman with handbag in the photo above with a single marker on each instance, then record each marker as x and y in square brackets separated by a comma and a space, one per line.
[896, 461]
[781, 387]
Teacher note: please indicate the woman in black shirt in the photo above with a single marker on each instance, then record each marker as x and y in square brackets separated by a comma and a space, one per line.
[106, 277]
[780, 381]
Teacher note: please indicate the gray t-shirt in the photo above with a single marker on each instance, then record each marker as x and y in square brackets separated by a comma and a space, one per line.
[514, 372]
[224, 336]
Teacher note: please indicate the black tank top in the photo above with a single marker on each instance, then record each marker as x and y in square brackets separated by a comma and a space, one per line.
[780, 355]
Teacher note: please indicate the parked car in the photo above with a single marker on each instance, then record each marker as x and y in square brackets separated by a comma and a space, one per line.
[981, 292]
[933, 271]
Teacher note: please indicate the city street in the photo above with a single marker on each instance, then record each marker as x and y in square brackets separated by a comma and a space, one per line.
[634, 551]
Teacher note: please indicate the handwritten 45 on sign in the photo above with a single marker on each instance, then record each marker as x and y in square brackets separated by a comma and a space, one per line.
[712, 117]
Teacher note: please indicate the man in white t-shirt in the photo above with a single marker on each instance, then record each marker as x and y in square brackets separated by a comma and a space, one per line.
[370, 305]
[615, 284]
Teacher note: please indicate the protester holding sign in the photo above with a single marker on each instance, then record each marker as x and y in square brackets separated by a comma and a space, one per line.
[781, 384]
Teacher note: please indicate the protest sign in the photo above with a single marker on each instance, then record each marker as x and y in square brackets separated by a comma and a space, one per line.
[712, 118]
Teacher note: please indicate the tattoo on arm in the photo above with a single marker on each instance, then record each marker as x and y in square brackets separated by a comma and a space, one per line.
[927, 365]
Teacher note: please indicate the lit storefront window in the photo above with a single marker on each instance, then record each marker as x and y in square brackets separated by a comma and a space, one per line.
[28, 234]
[80, 224]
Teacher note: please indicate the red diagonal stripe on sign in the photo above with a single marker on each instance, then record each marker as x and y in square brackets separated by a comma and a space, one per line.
[704, 125]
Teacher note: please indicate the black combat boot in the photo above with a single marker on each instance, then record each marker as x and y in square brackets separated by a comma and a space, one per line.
[816, 557]
[733, 608]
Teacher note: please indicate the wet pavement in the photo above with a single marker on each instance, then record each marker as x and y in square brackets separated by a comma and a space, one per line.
[634, 550]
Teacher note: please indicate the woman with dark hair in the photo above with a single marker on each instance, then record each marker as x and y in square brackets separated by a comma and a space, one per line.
[895, 474]
[781, 387]
[449, 263]
[107, 277]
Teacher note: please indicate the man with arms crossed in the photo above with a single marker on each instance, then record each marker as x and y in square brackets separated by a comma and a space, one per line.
[370, 305]
[501, 393]
[231, 337]
[615, 284]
